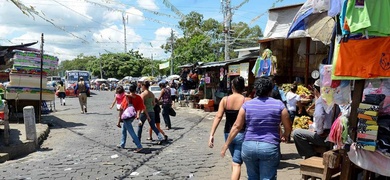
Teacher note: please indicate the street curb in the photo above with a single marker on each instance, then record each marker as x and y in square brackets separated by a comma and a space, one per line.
[14, 151]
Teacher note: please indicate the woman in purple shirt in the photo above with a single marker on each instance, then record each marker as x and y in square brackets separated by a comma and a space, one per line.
[261, 147]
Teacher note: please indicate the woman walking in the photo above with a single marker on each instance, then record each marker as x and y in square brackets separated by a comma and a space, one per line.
[148, 98]
[165, 96]
[157, 111]
[119, 96]
[61, 92]
[261, 147]
[230, 105]
[136, 102]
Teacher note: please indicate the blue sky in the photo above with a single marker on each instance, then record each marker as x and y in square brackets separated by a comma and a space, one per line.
[95, 26]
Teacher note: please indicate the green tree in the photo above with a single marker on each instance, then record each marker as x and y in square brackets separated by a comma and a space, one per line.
[203, 40]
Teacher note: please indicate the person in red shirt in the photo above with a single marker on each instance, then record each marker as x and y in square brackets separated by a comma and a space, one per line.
[138, 104]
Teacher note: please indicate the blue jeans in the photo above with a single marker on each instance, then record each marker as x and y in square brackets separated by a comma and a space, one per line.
[165, 114]
[152, 124]
[235, 147]
[261, 159]
[127, 126]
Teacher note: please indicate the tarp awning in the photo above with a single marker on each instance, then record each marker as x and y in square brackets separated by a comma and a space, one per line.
[279, 22]
[253, 55]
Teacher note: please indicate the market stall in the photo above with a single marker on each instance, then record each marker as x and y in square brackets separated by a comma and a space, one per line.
[24, 88]
[357, 81]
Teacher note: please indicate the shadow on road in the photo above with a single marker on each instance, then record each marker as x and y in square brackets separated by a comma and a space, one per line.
[103, 114]
[176, 128]
[14, 137]
[290, 156]
[283, 165]
[54, 122]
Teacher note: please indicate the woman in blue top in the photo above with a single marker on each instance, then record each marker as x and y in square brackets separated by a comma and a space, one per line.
[261, 147]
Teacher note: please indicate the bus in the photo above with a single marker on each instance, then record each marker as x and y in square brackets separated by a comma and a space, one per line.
[72, 77]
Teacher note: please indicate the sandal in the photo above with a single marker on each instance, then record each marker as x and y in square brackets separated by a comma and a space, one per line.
[150, 139]
[138, 150]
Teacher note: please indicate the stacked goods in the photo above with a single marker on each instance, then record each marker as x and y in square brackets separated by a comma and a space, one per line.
[302, 122]
[25, 78]
[301, 90]
[367, 126]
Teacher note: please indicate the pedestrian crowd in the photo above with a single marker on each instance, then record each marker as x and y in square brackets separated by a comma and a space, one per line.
[256, 123]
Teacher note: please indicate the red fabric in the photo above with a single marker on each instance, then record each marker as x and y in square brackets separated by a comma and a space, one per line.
[365, 58]
[137, 102]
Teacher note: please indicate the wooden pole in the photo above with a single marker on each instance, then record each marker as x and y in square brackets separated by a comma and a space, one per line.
[307, 61]
[291, 55]
[347, 169]
[40, 84]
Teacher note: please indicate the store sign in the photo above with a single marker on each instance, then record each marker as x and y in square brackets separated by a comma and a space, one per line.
[234, 70]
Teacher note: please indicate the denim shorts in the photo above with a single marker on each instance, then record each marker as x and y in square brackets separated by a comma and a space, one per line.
[235, 147]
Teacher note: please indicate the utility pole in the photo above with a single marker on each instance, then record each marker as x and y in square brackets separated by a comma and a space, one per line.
[171, 52]
[227, 23]
[124, 30]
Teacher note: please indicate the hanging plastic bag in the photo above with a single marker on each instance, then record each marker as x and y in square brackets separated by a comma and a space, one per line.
[320, 6]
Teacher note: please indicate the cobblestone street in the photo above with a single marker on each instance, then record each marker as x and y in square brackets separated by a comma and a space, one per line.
[83, 146]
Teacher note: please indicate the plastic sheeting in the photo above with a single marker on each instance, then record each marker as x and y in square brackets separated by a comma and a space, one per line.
[279, 22]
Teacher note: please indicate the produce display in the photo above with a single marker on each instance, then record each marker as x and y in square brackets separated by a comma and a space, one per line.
[301, 91]
[302, 122]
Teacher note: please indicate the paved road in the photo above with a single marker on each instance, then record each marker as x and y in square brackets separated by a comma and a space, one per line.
[82, 146]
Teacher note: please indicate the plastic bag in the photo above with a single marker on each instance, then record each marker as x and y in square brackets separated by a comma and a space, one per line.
[320, 6]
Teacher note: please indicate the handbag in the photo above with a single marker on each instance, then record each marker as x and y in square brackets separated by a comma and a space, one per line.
[129, 112]
[172, 112]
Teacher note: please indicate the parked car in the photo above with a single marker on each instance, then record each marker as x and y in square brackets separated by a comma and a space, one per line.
[156, 90]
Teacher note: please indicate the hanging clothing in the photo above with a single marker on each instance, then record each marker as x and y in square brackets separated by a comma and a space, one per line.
[372, 18]
[358, 58]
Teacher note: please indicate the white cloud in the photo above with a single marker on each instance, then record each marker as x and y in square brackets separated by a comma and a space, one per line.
[88, 21]
[132, 15]
[148, 4]
[154, 47]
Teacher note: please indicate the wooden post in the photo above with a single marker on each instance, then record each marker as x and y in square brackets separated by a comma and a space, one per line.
[346, 171]
[291, 55]
[307, 61]
[6, 124]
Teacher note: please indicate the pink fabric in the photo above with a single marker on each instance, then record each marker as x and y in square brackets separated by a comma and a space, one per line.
[119, 98]
[335, 135]
[373, 161]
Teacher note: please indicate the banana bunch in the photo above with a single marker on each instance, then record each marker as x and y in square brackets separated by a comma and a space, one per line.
[302, 122]
[303, 91]
[286, 87]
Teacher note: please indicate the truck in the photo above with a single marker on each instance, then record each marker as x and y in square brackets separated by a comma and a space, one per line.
[71, 79]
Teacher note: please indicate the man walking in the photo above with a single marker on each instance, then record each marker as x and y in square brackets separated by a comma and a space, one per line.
[81, 91]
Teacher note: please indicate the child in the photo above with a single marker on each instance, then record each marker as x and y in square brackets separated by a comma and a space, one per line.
[157, 111]
[119, 96]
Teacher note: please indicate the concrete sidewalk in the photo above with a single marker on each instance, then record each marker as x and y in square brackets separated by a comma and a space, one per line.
[19, 146]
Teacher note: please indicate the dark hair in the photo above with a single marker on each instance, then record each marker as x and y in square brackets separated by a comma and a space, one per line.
[161, 85]
[146, 84]
[120, 90]
[263, 86]
[294, 88]
[61, 83]
[132, 87]
[238, 84]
